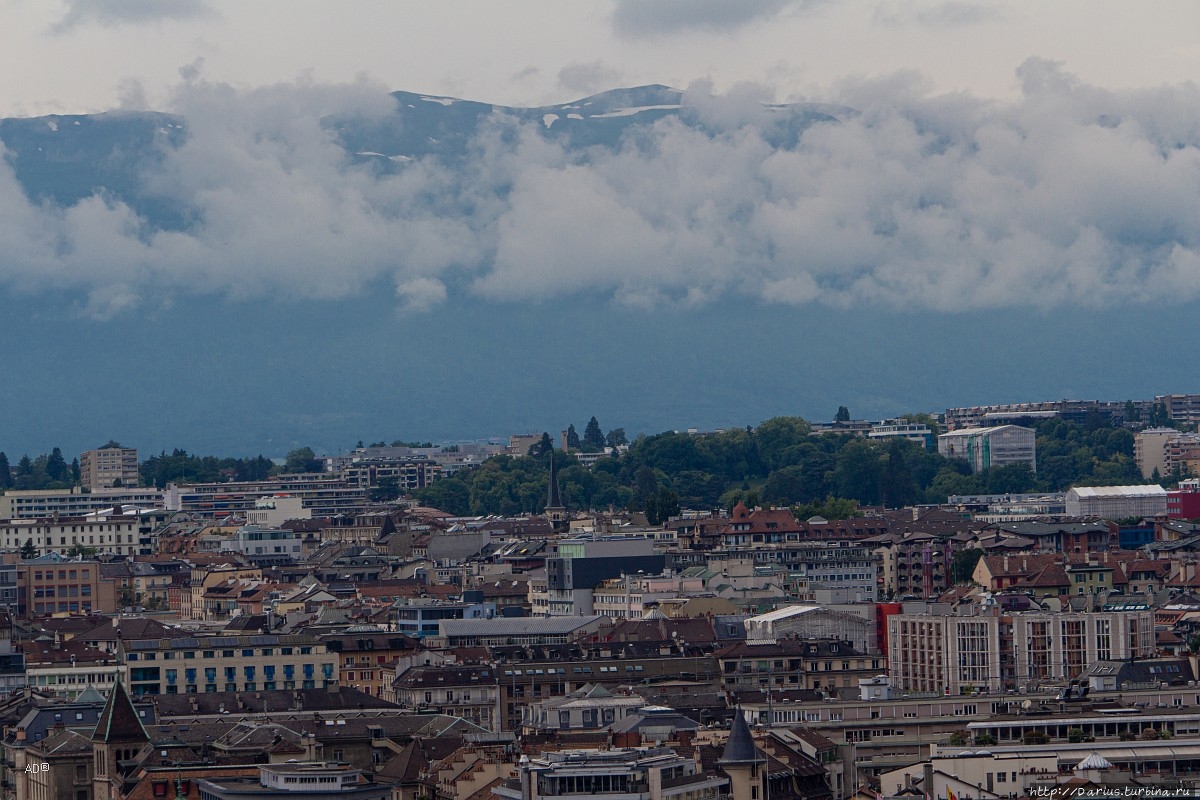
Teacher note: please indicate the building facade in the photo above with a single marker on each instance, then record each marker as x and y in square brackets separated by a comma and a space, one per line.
[991, 447]
[108, 467]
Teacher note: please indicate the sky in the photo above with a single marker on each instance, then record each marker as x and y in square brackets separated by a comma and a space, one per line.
[1005, 211]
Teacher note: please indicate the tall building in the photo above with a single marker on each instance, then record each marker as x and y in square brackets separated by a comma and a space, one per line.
[1150, 450]
[991, 447]
[107, 467]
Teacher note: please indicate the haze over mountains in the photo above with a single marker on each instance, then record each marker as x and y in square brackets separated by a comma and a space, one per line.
[306, 264]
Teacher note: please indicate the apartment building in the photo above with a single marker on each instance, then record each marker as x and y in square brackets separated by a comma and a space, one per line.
[322, 495]
[192, 664]
[132, 534]
[643, 773]
[991, 652]
[53, 584]
[107, 467]
[47, 503]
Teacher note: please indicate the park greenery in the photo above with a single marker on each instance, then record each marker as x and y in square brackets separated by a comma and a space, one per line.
[781, 463]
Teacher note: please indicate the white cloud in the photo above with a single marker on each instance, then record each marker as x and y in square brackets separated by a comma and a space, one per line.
[1070, 196]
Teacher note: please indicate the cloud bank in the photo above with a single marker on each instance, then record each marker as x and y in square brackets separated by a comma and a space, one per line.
[648, 18]
[1071, 196]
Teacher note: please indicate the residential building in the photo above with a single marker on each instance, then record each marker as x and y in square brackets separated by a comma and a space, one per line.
[641, 773]
[108, 467]
[49, 503]
[366, 658]
[992, 652]
[812, 622]
[323, 495]
[1117, 502]
[128, 534]
[591, 707]
[1184, 502]
[1150, 450]
[423, 617]
[631, 596]
[1181, 407]
[795, 664]
[52, 584]
[67, 669]
[260, 545]
[210, 663]
[990, 447]
[901, 429]
[517, 630]
[579, 565]
[467, 692]
[273, 511]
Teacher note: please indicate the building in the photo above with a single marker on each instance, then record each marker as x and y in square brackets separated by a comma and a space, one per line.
[1184, 502]
[1181, 407]
[273, 511]
[990, 652]
[1117, 502]
[52, 584]
[126, 534]
[991, 447]
[49, 503]
[591, 707]
[468, 693]
[310, 780]
[260, 545]
[1150, 450]
[900, 429]
[827, 664]
[629, 773]
[579, 565]
[211, 663]
[423, 617]
[67, 669]
[108, 467]
[322, 495]
[812, 622]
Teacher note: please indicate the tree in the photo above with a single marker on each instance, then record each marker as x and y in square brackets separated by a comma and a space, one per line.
[29, 550]
[303, 459]
[572, 438]
[962, 566]
[56, 466]
[592, 434]
[616, 438]
[6, 478]
[843, 414]
[543, 446]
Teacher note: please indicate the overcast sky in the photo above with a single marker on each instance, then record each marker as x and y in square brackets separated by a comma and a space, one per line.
[1028, 160]
[91, 55]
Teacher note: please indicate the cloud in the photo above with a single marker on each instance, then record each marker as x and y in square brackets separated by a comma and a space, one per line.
[589, 78]
[1071, 196]
[637, 19]
[953, 14]
[115, 13]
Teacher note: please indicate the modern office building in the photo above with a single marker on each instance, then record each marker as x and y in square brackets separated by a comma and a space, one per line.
[46, 503]
[991, 447]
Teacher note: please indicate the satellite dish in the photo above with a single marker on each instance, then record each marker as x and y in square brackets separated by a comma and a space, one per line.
[1025, 704]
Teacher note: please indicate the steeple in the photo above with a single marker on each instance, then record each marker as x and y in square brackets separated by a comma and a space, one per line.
[742, 762]
[739, 748]
[555, 509]
[119, 721]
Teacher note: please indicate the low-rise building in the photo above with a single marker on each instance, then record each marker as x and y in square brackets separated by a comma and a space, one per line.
[641, 773]
[310, 780]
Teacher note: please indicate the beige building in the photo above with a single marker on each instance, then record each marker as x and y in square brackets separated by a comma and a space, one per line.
[204, 578]
[123, 534]
[994, 653]
[108, 467]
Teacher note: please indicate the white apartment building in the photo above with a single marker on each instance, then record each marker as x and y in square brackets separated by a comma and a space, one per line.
[1150, 450]
[37, 503]
[124, 534]
[994, 653]
[273, 511]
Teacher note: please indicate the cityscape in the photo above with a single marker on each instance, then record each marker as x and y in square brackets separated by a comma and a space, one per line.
[330, 629]
[630, 399]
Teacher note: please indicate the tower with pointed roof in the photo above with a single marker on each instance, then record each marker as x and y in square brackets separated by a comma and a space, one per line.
[555, 510]
[119, 736]
[742, 762]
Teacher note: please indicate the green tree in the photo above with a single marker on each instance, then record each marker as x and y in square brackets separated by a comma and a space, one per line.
[542, 447]
[616, 437]
[962, 566]
[6, 477]
[831, 508]
[56, 467]
[29, 550]
[858, 472]
[593, 436]
[898, 487]
[572, 438]
[843, 414]
[302, 459]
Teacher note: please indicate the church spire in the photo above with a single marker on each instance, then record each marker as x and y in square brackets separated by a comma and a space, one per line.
[119, 721]
[555, 509]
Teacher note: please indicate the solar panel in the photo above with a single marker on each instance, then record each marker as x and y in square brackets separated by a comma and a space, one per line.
[187, 642]
[142, 644]
[261, 640]
[223, 641]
